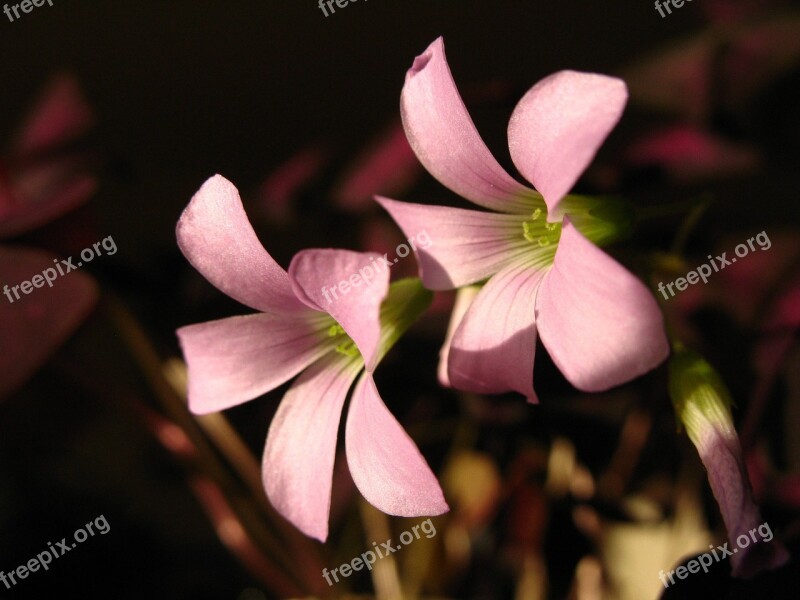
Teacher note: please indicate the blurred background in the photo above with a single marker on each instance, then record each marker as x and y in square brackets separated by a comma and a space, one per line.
[584, 496]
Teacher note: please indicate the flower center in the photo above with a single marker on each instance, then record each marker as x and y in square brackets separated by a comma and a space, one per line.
[538, 231]
[347, 346]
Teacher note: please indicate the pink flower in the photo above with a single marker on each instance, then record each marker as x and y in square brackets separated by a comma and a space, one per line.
[298, 329]
[600, 324]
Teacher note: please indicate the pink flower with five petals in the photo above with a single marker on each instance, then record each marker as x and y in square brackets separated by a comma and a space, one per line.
[600, 324]
[297, 331]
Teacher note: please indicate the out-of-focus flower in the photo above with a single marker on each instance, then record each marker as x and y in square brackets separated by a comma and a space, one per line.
[702, 403]
[278, 191]
[38, 183]
[34, 326]
[41, 178]
[600, 324]
[688, 154]
[300, 329]
[718, 68]
[386, 166]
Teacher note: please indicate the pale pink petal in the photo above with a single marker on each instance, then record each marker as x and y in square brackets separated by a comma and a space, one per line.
[216, 237]
[33, 326]
[445, 140]
[493, 349]
[464, 298]
[236, 359]
[558, 126]
[600, 324]
[301, 444]
[60, 115]
[388, 469]
[349, 286]
[463, 246]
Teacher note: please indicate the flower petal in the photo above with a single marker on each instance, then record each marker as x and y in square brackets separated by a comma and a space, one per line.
[493, 349]
[236, 359]
[445, 140]
[216, 237]
[386, 465]
[464, 298]
[558, 126]
[36, 325]
[465, 246]
[600, 324]
[324, 278]
[301, 444]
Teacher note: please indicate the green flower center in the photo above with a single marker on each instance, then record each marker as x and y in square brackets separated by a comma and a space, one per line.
[538, 231]
[346, 346]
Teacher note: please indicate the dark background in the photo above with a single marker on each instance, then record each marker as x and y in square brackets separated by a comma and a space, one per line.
[183, 90]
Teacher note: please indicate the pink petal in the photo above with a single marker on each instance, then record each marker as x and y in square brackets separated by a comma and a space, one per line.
[445, 140]
[493, 349]
[464, 246]
[386, 465]
[558, 126]
[320, 278]
[301, 444]
[722, 457]
[35, 325]
[236, 359]
[60, 115]
[600, 324]
[216, 237]
[464, 298]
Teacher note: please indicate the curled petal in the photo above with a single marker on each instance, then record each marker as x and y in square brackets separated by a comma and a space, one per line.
[301, 444]
[600, 324]
[445, 140]
[33, 326]
[216, 237]
[493, 349]
[558, 126]
[350, 286]
[236, 359]
[465, 246]
[385, 463]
